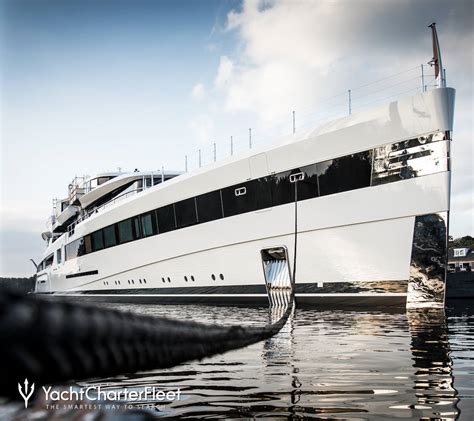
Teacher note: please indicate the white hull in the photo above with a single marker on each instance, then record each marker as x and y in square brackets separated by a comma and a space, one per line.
[354, 244]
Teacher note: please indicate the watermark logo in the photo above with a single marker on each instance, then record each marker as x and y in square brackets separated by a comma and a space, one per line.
[26, 395]
[99, 397]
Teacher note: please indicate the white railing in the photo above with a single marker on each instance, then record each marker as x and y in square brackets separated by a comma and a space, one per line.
[419, 78]
[415, 79]
[72, 226]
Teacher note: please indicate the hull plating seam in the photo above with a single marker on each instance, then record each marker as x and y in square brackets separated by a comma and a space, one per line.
[380, 287]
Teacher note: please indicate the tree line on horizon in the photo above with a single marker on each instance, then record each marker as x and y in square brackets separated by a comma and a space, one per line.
[461, 242]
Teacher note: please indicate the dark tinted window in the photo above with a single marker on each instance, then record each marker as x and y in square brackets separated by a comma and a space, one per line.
[238, 199]
[110, 238]
[263, 192]
[283, 189]
[156, 180]
[346, 173]
[75, 249]
[88, 244]
[125, 231]
[209, 206]
[102, 180]
[97, 240]
[166, 219]
[49, 260]
[137, 231]
[247, 197]
[148, 223]
[185, 213]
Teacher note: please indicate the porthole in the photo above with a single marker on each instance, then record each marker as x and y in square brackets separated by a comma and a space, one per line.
[133, 281]
[140, 280]
[185, 279]
[144, 280]
[213, 277]
[163, 280]
[192, 278]
[169, 280]
[221, 276]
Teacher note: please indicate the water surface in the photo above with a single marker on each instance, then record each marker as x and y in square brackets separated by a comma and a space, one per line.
[326, 364]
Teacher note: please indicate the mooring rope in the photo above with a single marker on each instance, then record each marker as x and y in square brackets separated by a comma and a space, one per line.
[50, 342]
[293, 278]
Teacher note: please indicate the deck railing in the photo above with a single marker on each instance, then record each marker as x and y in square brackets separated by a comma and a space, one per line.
[418, 78]
[88, 214]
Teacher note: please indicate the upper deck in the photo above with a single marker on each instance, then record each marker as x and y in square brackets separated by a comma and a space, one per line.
[88, 195]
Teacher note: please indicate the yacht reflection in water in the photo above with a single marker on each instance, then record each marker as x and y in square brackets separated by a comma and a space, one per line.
[434, 380]
[324, 363]
[346, 387]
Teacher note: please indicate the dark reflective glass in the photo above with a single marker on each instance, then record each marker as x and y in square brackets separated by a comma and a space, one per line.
[97, 240]
[247, 197]
[148, 224]
[75, 249]
[263, 192]
[110, 238]
[283, 190]
[166, 218]
[88, 244]
[102, 180]
[125, 231]
[409, 159]
[137, 231]
[185, 213]
[49, 260]
[346, 173]
[209, 206]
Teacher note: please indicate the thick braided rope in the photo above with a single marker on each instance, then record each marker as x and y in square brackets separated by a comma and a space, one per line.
[50, 342]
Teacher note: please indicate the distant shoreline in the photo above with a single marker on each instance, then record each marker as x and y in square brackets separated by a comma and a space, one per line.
[22, 285]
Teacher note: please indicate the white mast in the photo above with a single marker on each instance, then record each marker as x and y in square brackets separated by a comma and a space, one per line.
[436, 61]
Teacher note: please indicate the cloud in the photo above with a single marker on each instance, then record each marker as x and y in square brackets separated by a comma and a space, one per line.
[224, 72]
[202, 126]
[198, 92]
[291, 54]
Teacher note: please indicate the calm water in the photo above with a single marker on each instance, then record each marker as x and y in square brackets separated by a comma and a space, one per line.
[327, 364]
[324, 364]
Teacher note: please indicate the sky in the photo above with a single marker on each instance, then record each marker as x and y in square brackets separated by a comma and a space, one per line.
[88, 86]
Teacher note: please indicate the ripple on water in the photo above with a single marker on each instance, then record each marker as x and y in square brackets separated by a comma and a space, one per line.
[326, 364]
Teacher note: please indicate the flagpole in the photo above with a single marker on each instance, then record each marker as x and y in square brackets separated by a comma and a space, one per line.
[436, 61]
